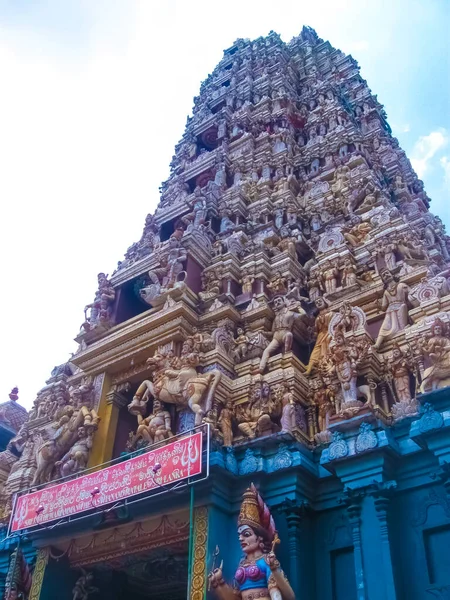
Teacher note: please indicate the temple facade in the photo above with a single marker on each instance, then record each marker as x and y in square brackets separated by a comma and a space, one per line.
[289, 298]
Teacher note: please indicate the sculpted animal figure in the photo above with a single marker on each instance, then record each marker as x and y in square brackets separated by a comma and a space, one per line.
[176, 381]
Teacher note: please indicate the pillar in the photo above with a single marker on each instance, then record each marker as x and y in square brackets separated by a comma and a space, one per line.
[111, 402]
[353, 500]
[381, 501]
[299, 570]
[199, 547]
[38, 574]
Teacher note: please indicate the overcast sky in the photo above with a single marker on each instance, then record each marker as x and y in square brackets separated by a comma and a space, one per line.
[94, 96]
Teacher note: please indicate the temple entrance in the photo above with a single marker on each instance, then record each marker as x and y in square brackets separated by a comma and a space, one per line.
[160, 574]
[136, 560]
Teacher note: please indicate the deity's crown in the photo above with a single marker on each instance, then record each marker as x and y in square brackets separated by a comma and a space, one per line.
[256, 514]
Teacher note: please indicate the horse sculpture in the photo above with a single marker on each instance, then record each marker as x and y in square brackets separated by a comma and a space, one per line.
[176, 381]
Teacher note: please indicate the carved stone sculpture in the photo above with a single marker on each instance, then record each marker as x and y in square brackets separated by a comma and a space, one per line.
[177, 382]
[255, 417]
[169, 274]
[83, 586]
[156, 427]
[281, 329]
[76, 458]
[322, 343]
[100, 309]
[437, 349]
[395, 303]
[343, 360]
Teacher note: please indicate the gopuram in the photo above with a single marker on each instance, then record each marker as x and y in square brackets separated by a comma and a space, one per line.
[268, 367]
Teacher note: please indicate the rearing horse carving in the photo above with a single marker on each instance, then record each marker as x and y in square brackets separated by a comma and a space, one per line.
[176, 381]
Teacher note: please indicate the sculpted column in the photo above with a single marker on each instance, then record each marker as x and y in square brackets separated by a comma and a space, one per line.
[110, 404]
[381, 501]
[299, 569]
[353, 500]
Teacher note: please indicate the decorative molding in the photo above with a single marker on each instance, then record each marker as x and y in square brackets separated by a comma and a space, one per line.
[198, 577]
[38, 574]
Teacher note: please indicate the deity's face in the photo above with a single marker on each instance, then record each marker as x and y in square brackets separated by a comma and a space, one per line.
[250, 542]
[437, 330]
[156, 405]
[278, 303]
[320, 303]
[339, 340]
[240, 331]
[81, 432]
[396, 353]
[265, 391]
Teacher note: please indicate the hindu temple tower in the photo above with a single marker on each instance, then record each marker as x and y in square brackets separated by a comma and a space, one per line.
[289, 298]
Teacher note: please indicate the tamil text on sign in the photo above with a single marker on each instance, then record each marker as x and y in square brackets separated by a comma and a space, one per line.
[165, 465]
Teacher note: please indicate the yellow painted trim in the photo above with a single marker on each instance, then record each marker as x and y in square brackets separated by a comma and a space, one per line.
[198, 582]
[105, 435]
[38, 573]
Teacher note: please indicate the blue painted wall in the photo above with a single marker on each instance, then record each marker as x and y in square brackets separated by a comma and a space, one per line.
[366, 518]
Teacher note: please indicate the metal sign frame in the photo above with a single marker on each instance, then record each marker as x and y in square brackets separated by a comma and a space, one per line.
[159, 489]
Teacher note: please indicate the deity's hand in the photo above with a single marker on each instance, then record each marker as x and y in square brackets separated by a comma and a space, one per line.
[272, 561]
[215, 578]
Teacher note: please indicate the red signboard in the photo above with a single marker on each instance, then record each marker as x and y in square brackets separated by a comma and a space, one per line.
[165, 465]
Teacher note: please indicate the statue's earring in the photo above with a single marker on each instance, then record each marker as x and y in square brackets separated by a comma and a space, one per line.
[261, 545]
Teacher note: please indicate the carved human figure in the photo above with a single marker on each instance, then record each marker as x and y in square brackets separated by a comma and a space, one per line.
[348, 276]
[226, 224]
[323, 399]
[259, 574]
[67, 431]
[315, 222]
[76, 458]
[247, 282]
[387, 252]
[285, 398]
[199, 210]
[314, 287]
[156, 427]
[291, 213]
[279, 216]
[83, 586]
[100, 309]
[357, 231]
[225, 424]
[255, 417]
[395, 303]
[176, 381]
[322, 343]
[437, 349]
[281, 329]
[278, 284]
[330, 274]
[399, 367]
[241, 343]
[212, 282]
[169, 273]
[344, 355]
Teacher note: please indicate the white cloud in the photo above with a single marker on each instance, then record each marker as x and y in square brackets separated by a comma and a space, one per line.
[445, 164]
[425, 149]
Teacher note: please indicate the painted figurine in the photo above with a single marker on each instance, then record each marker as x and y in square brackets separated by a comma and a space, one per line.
[259, 574]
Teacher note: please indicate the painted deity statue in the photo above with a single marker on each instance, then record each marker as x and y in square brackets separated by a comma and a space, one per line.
[101, 308]
[154, 428]
[282, 326]
[437, 349]
[170, 272]
[259, 574]
[176, 381]
[394, 302]
[322, 344]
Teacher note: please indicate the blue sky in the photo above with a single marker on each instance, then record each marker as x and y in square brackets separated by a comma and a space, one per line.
[95, 94]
